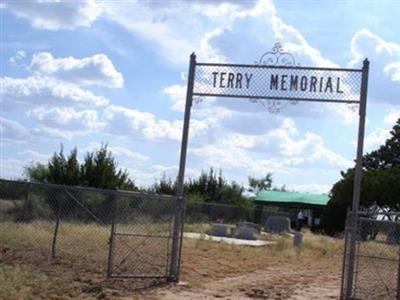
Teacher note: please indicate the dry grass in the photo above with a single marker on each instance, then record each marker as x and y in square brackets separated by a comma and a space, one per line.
[82, 251]
[86, 241]
[36, 235]
[197, 227]
[23, 282]
[18, 282]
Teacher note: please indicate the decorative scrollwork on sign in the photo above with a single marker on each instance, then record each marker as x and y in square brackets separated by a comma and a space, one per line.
[353, 107]
[198, 100]
[276, 57]
[274, 106]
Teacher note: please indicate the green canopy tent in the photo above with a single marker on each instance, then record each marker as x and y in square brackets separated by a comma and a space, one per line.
[310, 205]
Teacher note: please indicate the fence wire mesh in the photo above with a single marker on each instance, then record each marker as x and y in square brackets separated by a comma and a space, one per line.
[123, 233]
[127, 234]
[375, 262]
[278, 82]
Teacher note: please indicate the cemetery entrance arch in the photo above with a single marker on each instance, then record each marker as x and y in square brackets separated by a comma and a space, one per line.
[274, 81]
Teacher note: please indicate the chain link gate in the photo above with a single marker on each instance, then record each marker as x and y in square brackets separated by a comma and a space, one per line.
[141, 243]
[376, 259]
[73, 224]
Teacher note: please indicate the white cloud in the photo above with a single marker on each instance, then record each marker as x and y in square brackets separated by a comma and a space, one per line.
[47, 126]
[215, 27]
[67, 118]
[376, 138]
[146, 176]
[365, 43]
[236, 135]
[392, 117]
[259, 25]
[216, 10]
[379, 135]
[55, 133]
[124, 155]
[255, 23]
[54, 14]
[286, 144]
[95, 70]
[384, 76]
[393, 69]
[164, 24]
[31, 91]
[310, 188]
[279, 150]
[229, 158]
[123, 121]
[12, 130]
[34, 155]
[128, 154]
[177, 95]
[12, 168]
[16, 59]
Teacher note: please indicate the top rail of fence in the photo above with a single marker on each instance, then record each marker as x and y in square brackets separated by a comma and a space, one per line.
[91, 189]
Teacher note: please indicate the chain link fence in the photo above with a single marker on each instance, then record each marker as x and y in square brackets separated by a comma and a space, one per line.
[371, 268]
[126, 234]
[209, 212]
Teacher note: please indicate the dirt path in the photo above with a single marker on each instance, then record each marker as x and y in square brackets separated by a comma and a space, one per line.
[272, 283]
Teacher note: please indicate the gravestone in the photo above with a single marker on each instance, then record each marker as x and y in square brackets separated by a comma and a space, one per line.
[393, 234]
[219, 230]
[297, 239]
[245, 233]
[255, 226]
[277, 224]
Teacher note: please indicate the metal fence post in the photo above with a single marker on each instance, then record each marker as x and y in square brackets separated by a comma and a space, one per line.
[398, 277]
[53, 246]
[27, 203]
[112, 237]
[346, 238]
[179, 214]
[357, 178]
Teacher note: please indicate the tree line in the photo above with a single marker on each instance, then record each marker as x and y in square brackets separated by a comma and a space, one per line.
[99, 169]
[380, 184]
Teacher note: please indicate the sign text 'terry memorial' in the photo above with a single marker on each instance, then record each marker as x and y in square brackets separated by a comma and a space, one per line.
[279, 82]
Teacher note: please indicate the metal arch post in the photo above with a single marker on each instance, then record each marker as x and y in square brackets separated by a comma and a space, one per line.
[357, 179]
[179, 214]
[360, 143]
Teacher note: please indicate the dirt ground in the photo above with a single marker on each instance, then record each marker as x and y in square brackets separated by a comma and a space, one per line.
[209, 270]
[272, 283]
[231, 273]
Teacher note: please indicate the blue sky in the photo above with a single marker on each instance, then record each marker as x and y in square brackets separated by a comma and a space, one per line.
[84, 72]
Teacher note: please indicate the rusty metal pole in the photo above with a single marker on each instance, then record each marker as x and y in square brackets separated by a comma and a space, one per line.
[111, 241]
[55, 234]
[357, 179]
[179, 214]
